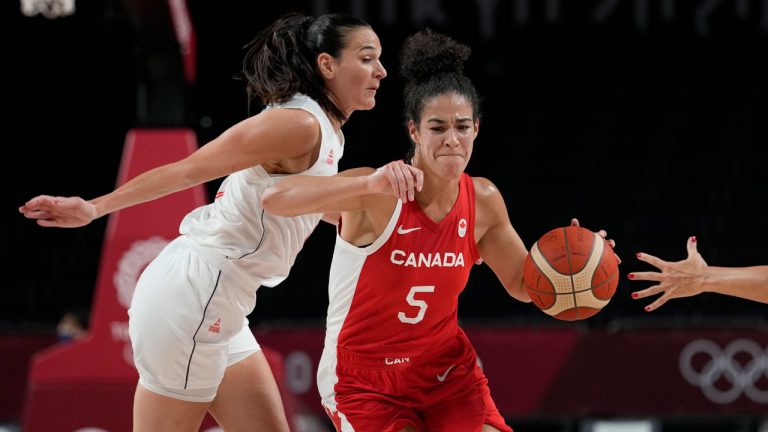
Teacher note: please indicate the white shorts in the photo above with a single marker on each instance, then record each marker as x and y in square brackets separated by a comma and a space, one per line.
[188, 324]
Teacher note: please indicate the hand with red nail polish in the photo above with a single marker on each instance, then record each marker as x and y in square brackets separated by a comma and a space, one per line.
[692, 276]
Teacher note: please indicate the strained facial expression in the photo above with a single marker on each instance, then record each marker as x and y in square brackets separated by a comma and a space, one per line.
[445, 135]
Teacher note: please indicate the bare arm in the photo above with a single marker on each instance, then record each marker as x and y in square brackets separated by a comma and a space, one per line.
[345, 191]
[692, 276]
[275, 136]
[363, 198]
[499, 244]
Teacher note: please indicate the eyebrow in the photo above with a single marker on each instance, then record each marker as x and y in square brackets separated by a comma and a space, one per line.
[461, 119]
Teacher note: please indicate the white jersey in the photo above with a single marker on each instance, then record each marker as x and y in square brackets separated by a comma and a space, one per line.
[235, 231]
[188, 316]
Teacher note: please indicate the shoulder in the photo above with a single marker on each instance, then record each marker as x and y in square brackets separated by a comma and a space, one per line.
[485, 189]
[302, 102]
[298, 100]
[276, 133]
[488, 198]
[286, 123]
[289, 116]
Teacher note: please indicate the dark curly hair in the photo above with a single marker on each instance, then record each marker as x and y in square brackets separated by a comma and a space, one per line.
[432, 64]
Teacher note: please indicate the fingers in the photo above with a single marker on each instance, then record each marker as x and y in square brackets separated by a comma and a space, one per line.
[645, 276]
[654, 290]
[42, 206]
[37, 214]
[650, 259]
[40, 201]
[401, 182]
[691, 246]
[653, 277]
[394, 177]
[603, 234]
[414, 180]
[419, 177]
[646, 292]
[405, 180]
[48, 223]
[658, 303]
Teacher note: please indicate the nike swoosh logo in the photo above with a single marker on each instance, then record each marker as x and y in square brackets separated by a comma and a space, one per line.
[401, 230]
[442, 377]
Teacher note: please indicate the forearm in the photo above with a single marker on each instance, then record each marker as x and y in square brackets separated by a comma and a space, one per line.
[313, 194]
[515, 285]
[750, 283]
[148, 186]
[517, 291]
[508, 267]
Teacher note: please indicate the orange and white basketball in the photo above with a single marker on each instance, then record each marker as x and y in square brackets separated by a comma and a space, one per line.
[571, 273]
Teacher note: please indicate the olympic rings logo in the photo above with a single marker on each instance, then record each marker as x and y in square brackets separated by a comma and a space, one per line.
[723, 377]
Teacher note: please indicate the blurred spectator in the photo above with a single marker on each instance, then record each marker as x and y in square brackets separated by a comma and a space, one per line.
[73, 325]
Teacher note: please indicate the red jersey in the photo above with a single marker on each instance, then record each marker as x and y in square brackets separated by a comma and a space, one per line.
[399, 296]
[394, 354]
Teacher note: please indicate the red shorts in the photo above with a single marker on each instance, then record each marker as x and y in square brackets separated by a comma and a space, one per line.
[443, 393]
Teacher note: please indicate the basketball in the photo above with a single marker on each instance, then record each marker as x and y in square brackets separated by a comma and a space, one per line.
[571, 273]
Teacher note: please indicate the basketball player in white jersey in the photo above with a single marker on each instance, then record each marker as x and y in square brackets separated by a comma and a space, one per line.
[190, 336]
[395, 358]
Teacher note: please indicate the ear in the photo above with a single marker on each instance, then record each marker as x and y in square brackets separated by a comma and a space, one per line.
[413, 132]
[326, 65]
[477, 127]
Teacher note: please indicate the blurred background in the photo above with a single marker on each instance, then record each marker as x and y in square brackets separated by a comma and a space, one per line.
[645, 118]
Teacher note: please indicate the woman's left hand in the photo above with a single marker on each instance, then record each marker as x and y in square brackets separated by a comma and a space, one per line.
[602, 233]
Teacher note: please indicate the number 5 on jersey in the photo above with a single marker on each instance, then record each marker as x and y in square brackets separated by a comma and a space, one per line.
[421, 304]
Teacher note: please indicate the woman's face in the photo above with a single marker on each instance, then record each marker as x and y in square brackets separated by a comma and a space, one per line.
[354, 77]
[445, 135]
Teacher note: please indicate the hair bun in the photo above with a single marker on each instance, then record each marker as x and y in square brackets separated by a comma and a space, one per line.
[426, 54]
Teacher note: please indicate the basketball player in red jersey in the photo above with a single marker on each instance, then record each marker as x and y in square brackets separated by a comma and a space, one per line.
[395, 358]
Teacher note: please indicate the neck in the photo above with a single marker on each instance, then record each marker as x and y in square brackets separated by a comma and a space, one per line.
[438, 197]
[335, 122]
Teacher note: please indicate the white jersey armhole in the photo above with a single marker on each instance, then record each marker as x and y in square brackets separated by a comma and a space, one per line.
[373, 247]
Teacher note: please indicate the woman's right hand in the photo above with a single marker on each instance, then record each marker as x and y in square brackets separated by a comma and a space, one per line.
[674, 279]
[402, 180]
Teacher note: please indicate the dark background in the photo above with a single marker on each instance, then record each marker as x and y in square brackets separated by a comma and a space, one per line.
[643, 118]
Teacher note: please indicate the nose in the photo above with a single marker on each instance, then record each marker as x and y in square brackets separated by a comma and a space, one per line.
[451, 138]
[380, 72]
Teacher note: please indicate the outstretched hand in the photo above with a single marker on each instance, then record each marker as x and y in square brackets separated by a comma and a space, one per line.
[402, 180]
[603, 234]
[675, 280]
[62, 212]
